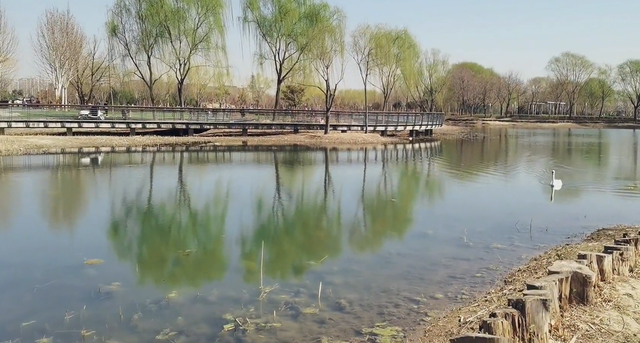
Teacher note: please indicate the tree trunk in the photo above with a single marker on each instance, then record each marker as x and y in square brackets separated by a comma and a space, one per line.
[635, 111]
[326, 120]
[601, 108]
[276, 104]
[366, 109]
[180, 90]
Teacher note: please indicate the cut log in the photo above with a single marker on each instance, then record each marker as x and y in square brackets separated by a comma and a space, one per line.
[480, 338]
[515, 320]
[497, 327]
[599, 263]
[630, 241]
[605, 267]
[583, 280]
[590, 259]
[558, 285]
[623, 258]
[537, 316]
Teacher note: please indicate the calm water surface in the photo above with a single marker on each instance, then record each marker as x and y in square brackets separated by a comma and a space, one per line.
[191, 241]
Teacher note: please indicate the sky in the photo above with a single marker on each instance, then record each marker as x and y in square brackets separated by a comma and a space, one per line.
[506, 35]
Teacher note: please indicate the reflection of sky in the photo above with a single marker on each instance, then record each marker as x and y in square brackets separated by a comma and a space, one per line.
[487, 187]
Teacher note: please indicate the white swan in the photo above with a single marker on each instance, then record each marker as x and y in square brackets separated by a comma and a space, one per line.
[555, 183]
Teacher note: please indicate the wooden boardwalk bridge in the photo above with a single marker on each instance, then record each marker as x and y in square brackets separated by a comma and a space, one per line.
[196, 120]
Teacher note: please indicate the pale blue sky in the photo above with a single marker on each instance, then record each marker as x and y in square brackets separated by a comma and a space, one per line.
[506, 35]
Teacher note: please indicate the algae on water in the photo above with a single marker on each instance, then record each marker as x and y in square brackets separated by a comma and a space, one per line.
[385, 333]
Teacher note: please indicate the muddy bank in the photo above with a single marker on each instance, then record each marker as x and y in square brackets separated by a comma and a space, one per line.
[40, 144]
[613, 318]
[543, 123]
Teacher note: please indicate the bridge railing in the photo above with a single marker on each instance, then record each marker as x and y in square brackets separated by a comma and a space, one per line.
[193, 114]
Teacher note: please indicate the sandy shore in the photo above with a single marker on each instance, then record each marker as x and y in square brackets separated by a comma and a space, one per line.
[614, 318]
[539, 123]
[40, 144]
[42, 141]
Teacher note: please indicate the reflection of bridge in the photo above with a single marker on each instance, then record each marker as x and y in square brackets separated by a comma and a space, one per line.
[191, 120]
[213, 154]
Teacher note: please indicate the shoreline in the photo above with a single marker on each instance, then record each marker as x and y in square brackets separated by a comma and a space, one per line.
[540, 123]
[615, 308]
[14, 145]
[49, 141]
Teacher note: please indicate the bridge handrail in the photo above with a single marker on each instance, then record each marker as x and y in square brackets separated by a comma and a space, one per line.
[197, 114]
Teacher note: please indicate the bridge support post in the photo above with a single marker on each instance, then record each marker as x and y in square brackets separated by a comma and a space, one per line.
[296, 130]
[1, 131]
[189, 132]
[429, 132]
[245, 132]
[383, 133]
[413, 133]
[132, 131]
[69, 131]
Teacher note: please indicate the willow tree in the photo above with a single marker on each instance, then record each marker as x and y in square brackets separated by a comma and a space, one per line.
[8, 50]
[571, 71]
[392, 48]
[361, 50]
[284, 32]
[629, 82]
[58, 42]
[327, 56]
[192, 28]
[425, 76]
[136, 28]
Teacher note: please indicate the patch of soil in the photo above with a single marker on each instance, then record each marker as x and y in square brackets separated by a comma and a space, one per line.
[614, 318]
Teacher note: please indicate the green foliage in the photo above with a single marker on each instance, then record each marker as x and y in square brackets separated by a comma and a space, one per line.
[293, 96]
[191, 29]
[284, 32]
[393, 49]
[629, 81]
[136, 28]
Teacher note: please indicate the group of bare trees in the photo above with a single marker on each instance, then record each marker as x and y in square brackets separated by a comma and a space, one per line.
[175, 51]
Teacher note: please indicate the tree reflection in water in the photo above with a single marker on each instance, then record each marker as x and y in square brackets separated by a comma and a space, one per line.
[299, 229]
[170, 241]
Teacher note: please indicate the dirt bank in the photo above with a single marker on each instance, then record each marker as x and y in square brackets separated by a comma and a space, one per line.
[615, 318]
[542, 123]
[38, 144]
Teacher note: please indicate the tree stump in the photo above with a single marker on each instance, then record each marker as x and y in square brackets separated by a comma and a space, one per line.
[480, 338]
[583, 280]
[599, 263]
[558, 285]
[633, 241]
[515, 320]
[623, 258]
[497, 327]
[591, 259]
[537, 316]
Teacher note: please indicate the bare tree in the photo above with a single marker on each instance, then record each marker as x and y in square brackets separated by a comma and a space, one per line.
[509, 88]
[8, 50]
[629, 81]
[90, 71]
[535, 87]
[58, 43]
[571, 71]
[136, 27]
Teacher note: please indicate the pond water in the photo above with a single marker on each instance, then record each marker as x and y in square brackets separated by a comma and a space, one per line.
[181, 246]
